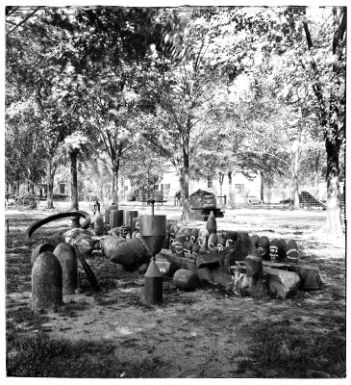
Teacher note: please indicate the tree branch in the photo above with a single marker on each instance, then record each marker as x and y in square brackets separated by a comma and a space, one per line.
[24, 20]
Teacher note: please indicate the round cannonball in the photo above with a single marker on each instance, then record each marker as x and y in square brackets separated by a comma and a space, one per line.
[185, 279]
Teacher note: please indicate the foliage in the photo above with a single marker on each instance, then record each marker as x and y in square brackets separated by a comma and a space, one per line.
[214, 90]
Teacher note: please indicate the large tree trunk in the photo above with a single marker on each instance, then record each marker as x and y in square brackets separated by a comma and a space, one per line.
[333, 226]
[50, 174]
[333, 121]
[74, 181]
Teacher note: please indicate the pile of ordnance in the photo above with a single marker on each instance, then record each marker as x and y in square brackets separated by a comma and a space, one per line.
[243, 264]
[239, 263]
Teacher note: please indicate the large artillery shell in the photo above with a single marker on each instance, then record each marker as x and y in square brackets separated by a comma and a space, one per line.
[46, 282]
[68, 260]
[41, 249]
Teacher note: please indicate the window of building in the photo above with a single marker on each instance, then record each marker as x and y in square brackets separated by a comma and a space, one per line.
[165, 189]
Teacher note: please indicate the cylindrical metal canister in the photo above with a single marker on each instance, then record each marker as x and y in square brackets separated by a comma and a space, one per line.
[108, 209]
[65, 254]
[116, 218]
[153, 231]
[46, 282]
[153, 284]
[129, 215]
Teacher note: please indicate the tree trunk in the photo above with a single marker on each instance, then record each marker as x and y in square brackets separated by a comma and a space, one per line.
[115, 171]
[231, 191]
[334, 122]
[296, 193]
[261, 187]
[74, 180]
[184, 187]
[295, 170]
[221, 180]
[184, 175]
[333, 226]
[316, 175]
[50, 174]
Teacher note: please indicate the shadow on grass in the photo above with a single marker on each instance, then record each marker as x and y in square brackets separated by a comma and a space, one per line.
[283, 351]
[40, 356]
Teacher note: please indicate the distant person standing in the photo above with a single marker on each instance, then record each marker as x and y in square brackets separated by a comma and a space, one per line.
[178, 197]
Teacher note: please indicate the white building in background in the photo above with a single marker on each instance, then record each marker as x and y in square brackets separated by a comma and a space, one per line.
[243, 188]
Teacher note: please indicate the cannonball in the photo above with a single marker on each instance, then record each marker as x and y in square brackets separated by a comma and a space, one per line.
[185, 279]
